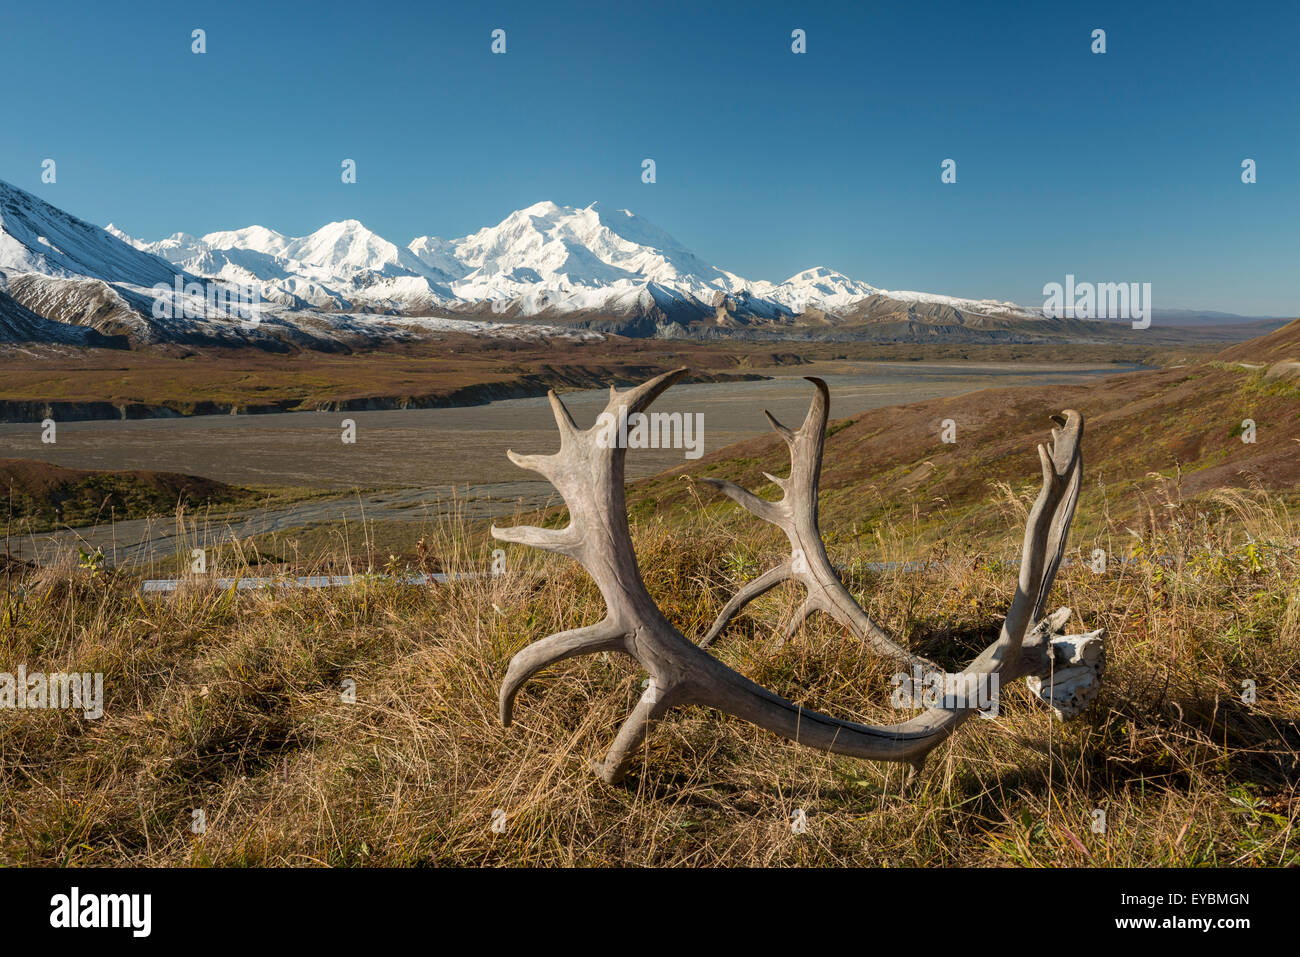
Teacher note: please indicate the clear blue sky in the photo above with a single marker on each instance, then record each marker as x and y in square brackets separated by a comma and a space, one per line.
[1117, 167]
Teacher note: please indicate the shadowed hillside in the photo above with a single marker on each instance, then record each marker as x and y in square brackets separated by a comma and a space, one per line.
[49, 494]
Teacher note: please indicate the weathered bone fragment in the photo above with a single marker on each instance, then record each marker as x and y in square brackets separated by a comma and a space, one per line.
[1078, 665]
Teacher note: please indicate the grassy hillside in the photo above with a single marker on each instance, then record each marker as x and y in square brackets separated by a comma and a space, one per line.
[233, 702]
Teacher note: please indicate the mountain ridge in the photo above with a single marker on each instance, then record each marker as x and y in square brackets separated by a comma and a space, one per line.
[586, 268]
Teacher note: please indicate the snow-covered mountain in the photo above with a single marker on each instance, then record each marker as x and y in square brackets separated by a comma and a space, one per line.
[94, 287]
[611, 271]
[339, 265]
[564, 250]
[545, 259]
[36, 237]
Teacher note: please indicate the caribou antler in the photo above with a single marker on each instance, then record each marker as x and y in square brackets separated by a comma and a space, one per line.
[796, 515]
[588, 473]
[1081, 658]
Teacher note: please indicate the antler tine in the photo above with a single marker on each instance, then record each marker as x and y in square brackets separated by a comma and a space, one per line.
[813, 422]
[767, 511]
[783, 431]
[796, 515]
[604, 636]
[534, 463]
[589, 476]
[1066, 461]
[560, 540]
[563, 418]
[761, 585]
[819, 410]
[796, 619]
[638, 398]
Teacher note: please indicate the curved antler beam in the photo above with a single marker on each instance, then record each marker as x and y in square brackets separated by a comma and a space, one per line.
[588, 471]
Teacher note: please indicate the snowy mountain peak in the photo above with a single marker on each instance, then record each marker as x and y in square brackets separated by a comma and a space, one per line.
[824, 281]
[348, 246]
[121, 234]
[563, 247]
[438, 257]
[818, 273]
[544, 208]
[257, 238]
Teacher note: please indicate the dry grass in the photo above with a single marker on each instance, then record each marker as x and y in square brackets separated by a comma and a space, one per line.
[230, 702]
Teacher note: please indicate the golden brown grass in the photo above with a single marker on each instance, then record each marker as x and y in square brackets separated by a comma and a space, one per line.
[231, 702]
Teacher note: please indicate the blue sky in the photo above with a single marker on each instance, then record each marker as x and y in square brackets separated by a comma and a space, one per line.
[1117, 167]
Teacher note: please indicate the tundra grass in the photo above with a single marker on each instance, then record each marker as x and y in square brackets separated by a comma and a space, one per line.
[358, 726]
